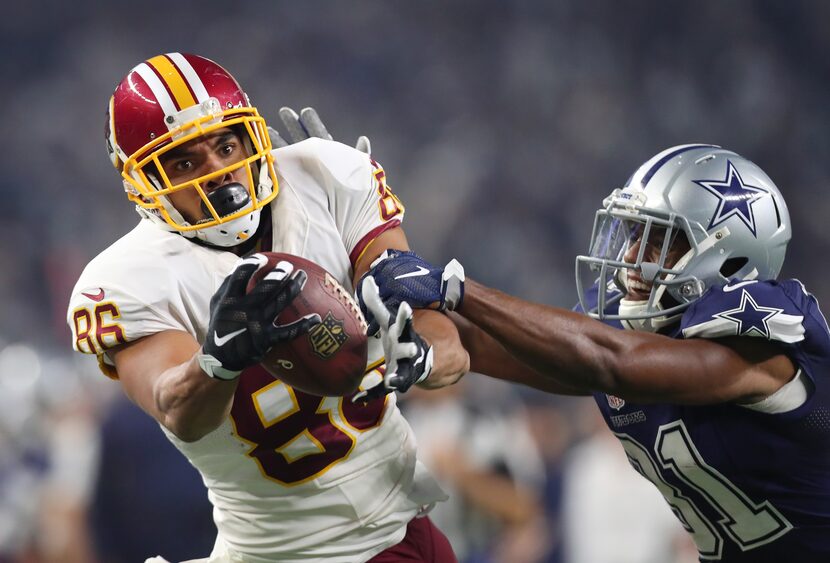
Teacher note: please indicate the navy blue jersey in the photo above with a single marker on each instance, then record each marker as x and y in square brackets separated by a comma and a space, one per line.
[748, 485]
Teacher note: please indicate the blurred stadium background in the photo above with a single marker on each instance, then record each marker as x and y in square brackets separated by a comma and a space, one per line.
[501, 125]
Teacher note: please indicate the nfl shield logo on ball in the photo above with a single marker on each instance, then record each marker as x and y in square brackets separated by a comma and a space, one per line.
[327, 337]
[615, 402]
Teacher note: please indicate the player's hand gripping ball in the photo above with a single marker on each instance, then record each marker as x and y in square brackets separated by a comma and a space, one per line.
[330, 359]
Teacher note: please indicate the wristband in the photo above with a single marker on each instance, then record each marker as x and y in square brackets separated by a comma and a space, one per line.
[213, 368]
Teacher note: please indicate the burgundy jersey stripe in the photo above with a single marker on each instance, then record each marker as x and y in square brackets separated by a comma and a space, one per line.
[370, 236]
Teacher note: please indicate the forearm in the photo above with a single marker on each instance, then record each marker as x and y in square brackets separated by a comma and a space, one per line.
[190, 403]
[489, 357]
[161, 374]
[451, 360]
[588, 355]
[557, 344]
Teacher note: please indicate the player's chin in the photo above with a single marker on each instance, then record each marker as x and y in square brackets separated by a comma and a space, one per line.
[637, 290]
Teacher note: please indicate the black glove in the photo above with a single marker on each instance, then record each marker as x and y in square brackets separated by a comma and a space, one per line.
[307, 124]
[243, 325]
[408, 358]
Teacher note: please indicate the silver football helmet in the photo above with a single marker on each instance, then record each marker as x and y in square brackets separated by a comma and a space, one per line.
[692, 217]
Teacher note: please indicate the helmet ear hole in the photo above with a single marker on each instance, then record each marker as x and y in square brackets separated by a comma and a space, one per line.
[732, 265]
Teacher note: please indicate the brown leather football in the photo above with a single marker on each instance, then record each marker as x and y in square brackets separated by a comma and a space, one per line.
[331, 359]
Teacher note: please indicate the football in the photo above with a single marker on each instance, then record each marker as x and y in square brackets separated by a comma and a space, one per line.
[330, 360]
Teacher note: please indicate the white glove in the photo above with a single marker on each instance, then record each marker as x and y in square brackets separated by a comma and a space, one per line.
[408, 358]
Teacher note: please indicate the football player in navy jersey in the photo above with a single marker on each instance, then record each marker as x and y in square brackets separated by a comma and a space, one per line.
[711, 373]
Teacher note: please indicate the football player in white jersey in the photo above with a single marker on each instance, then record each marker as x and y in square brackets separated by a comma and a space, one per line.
[292, 477]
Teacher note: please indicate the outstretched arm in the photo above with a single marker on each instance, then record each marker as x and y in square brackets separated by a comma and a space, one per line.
[305, 125]
[588, 355]
[577, 354]
[161, 374]
[489, 357]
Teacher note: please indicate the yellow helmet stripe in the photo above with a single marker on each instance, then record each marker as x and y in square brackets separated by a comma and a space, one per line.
[171, 76]
[193, 80]
[159, 91]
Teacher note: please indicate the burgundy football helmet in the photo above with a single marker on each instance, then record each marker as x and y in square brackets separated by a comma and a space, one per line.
[172, 99]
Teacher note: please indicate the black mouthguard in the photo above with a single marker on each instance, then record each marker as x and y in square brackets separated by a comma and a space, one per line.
[227, 199]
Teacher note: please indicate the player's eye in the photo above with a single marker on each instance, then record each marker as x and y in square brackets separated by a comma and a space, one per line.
[183, 165]
[227, 149]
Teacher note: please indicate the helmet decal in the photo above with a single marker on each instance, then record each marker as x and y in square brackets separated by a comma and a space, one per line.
[736, 197]
[191, 79]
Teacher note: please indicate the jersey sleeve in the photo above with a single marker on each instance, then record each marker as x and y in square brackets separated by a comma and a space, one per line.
[362, 204]
[115, 319]
[771, 310]
[110, 306]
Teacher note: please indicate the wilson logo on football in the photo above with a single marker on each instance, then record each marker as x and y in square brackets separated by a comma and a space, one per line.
[327, 337]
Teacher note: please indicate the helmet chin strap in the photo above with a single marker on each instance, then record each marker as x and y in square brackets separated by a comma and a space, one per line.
[636, 310]
[155, 216]
[225, 200]
[265, 185]
[232, 233]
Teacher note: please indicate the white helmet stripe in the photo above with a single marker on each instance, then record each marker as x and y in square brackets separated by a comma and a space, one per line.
[647, 171]
[111, 143]
[159, 91]
[190, 75]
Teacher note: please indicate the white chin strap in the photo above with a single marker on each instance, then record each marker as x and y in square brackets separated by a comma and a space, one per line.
[232, 233]
[636, 310]
[224, 235]
[629, 308]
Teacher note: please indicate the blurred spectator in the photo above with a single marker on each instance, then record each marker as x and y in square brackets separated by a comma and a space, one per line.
[554, 429]
[145, 484]
[49, 446]
[474, 437]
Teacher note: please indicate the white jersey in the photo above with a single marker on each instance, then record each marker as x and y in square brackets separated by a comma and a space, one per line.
[292, 477]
